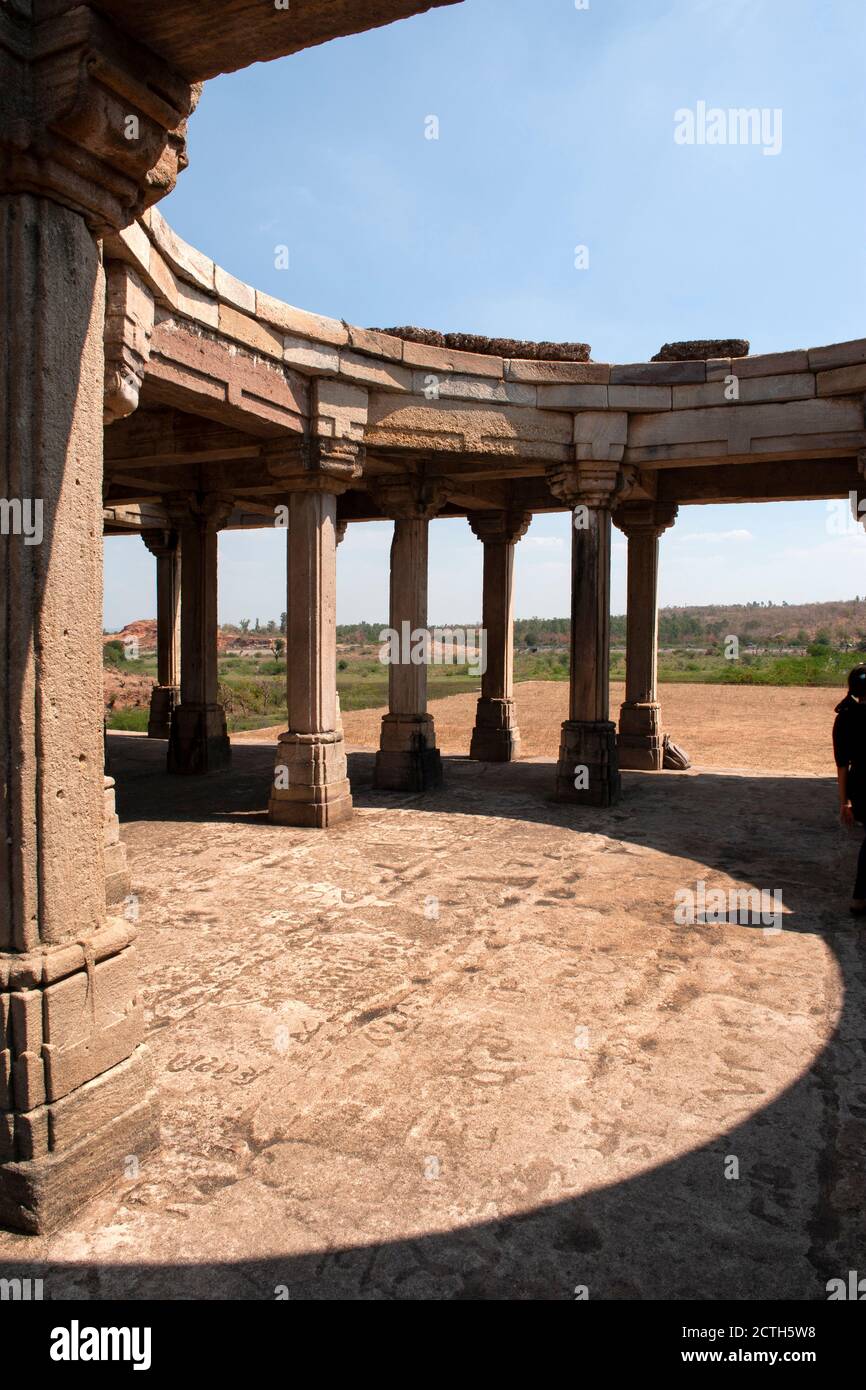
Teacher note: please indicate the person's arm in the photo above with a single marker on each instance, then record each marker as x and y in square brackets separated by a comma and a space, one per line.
[842, 760]
[846, 811]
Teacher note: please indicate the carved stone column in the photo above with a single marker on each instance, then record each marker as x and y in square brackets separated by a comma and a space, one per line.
[588, 770]
[640, 741]
[311, 785]
[496, 737]
[198, 738]
[164, 545]
[75, 1095]
[408, 759]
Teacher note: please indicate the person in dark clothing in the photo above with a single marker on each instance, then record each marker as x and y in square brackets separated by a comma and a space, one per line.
[849, 750]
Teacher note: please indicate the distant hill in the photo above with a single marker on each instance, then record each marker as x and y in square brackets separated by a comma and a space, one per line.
[842, 623]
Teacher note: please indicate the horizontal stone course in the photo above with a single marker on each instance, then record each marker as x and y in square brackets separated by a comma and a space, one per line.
[838, 355]
[842, 379]
[571, 373]
[658, 374]
[792, 387]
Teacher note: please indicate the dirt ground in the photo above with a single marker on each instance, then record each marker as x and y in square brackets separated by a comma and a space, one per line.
[461, 1048]
[753, 728]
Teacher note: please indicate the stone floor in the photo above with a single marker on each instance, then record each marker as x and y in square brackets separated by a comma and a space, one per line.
[459, 1048]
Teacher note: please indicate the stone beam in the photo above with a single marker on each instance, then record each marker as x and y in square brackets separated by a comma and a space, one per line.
[790, 480]
[240, 32]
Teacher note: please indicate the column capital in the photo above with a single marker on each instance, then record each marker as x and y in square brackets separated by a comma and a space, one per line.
[409, 498]
[205, 509]
[591, 483]
[161, 543]
[315, 465]
[644, 518]
[88, 117]
[505, 527]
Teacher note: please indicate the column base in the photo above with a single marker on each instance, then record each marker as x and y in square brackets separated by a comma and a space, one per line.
[640, 744]
[94, 1136]
[496, 737]
[408, 759]
[199, 740]
[163, 700]
[310, 786]
[118, 884]
[588, 770]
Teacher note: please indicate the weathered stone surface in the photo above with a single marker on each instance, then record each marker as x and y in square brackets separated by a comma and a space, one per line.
[234, 291]
[384, 376]
[705, 348]
[601, 435]
[774, 364]
[558, 373]
[639, 397]
[467, 427]
[752, 390]
[837, 355]
[497, 347]
[575, 397]
[71, 84]
[659, 374]
[469, 388]
[446, 360]
[187, 261]
[129, 319]
[244, 329]
[310, 357]
[241, 32]
[842, 380]
[299, 323]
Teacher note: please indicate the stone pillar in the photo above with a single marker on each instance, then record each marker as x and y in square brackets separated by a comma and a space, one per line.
[198, 739]
[76, 1101]
[408, 759]
[640, 742]
[496, 737]
[166, 693]
[311, 785]
[588, 770]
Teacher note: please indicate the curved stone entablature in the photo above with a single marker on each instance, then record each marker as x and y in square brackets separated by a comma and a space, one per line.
[229, 371]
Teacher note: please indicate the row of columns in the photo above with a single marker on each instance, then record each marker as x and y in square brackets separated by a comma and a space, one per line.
[310, 784]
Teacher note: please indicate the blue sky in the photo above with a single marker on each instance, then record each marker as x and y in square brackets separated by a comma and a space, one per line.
[555, 129]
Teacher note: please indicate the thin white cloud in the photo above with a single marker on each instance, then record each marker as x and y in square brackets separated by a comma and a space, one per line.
[715, 537]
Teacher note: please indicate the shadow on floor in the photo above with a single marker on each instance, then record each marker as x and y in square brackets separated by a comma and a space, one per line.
[796, 1217]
